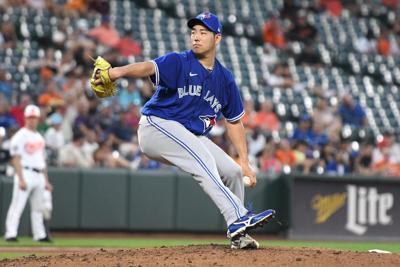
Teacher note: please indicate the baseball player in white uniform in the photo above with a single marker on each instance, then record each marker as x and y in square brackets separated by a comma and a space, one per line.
[27, 150]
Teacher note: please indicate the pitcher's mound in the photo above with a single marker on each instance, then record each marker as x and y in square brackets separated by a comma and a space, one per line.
[208, 255]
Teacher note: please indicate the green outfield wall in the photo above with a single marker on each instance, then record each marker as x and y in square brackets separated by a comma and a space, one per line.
[307, 206]
[104, 199]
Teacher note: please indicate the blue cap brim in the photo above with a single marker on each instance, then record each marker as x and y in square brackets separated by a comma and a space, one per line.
[195, 21]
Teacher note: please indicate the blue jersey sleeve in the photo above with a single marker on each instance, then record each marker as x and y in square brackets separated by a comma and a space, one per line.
[233, 111]
[167, 69]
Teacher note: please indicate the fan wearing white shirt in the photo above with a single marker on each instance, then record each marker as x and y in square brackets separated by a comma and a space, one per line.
[54, 137]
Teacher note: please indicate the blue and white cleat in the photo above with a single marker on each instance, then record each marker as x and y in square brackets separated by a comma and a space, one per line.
[248, 222]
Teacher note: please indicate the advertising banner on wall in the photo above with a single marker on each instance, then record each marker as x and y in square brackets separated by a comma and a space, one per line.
[345, 209]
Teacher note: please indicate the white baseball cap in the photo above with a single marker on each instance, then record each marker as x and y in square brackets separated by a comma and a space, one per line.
[32, 111]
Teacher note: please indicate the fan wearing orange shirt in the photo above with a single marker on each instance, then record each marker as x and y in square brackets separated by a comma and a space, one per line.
[285, 153]
[273, 33]
[266, 118]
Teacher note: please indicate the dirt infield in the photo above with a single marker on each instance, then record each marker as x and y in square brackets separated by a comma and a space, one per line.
[206, 255]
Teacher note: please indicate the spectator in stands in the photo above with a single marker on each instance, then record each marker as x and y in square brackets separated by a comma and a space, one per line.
[93, 116]
[302, 31]
[72, 82]
[383, 44]
[352, 113]
[300, 149]
[8, 36]
[105, 33]
[363, 163]
[148, 164]
[270, 56]
[256, 141]
[318, 138]
[268, 162]
[7, 121]
[54, 137]
[104, 121]
[18, 110]
[106, 156]
[72, 154]
[127, 46]
[130, 95]
[324, 115]
[273, 33]
[337, 160]
[285, 154]
[51, 96]
[90, 145]
[46, 75]
[266, 119]
[389, 146]
[249, 114]
[69, 113]
[280, 77]
[304, 157]
[366, 44]
[120, 128]
[345, 156]
[304, 131]
[384, 166]
[132, 117]
[82, 120]
[5, 85]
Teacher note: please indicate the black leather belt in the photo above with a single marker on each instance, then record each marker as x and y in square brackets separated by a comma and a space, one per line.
[33, 169]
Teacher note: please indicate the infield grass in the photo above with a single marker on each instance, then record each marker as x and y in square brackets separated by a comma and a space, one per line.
[10, 255]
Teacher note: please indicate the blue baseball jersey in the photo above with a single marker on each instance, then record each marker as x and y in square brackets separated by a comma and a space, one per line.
[192, 95]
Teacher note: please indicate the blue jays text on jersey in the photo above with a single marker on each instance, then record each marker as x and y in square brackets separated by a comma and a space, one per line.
[195, 90]
[192, 95]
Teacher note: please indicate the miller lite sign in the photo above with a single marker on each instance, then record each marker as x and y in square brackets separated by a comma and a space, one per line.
[365, 207]
[345, 208]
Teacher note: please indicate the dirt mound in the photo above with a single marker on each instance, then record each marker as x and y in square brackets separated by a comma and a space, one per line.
[210, 255]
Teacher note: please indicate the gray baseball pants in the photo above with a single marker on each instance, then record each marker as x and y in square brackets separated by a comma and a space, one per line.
[217, 173]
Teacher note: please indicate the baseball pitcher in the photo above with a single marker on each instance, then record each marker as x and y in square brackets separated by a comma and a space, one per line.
[193, 90]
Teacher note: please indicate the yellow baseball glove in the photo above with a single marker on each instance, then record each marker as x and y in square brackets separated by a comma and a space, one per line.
[107, 87]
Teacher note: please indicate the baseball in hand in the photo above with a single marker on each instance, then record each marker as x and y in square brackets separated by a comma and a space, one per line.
[246, 180]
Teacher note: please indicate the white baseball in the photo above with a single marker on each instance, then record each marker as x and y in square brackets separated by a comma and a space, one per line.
[246, 180]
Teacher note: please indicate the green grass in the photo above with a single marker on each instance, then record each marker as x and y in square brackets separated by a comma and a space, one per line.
[95, 242]
[92, 242]
[10, 255]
